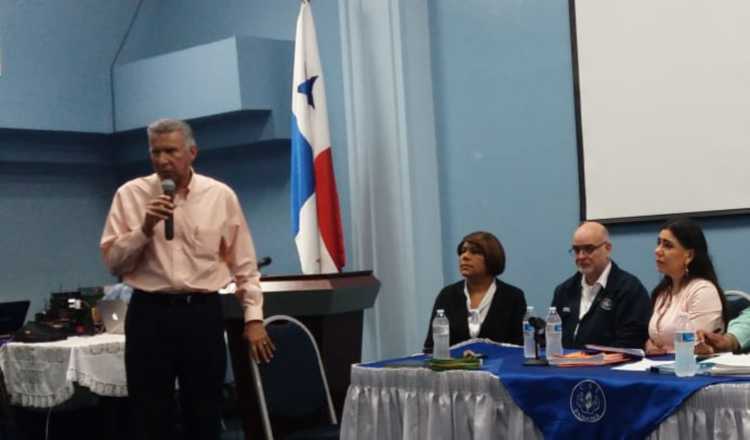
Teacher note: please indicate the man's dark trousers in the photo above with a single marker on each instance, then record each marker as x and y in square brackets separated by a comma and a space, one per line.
[176, 336]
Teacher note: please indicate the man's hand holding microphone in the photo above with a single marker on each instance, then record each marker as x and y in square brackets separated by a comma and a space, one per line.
[161, 208]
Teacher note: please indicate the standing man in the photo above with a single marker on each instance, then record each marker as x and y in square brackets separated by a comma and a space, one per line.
[174, 327]
[601, 304]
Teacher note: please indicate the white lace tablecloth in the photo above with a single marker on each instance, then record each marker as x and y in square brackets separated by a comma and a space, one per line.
[411, 404]
[43, 375]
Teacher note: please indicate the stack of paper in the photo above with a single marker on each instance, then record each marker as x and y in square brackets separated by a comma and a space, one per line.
[726, 364]
[634, 352]
[644, 364]
[581, 359]
[722, 365]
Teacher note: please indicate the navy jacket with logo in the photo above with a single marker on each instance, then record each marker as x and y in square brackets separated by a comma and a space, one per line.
[618, 317]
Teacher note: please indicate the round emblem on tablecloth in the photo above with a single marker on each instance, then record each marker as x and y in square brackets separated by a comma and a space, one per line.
[587, 401]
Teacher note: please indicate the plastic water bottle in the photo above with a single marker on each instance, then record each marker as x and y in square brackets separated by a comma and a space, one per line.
[553, 333]
[441, 334]
[529, 345]
[684, 344]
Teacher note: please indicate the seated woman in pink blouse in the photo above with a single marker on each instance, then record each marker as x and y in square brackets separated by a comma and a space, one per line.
[689, 285]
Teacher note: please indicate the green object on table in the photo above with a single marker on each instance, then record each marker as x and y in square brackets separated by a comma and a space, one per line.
[464, 363]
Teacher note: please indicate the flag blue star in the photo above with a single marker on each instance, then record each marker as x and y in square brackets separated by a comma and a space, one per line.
[306, 88]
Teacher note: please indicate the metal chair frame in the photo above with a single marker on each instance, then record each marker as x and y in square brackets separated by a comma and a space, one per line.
[259, 383]
[737, 293]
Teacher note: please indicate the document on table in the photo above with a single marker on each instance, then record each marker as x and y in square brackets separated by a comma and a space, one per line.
[728, 364]
[644, 364]
[635, 352]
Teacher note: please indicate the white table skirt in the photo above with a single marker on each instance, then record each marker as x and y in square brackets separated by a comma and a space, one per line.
[43, 375]
[416, 403]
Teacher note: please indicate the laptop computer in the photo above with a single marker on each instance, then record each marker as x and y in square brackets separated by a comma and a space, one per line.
[12, 317]
[113, 312]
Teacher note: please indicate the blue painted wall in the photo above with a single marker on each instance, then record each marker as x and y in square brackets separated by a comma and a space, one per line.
[190, 83]
[504, 117]
[164, 26]
[56, 62]
[510, 168]
[508, 160]
[259, 174]
[57, 186]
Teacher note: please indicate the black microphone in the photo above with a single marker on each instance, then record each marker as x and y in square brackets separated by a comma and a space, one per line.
[169, 187]
[265, 261]
[540, 327]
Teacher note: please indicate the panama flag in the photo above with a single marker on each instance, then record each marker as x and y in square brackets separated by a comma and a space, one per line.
[316, 220]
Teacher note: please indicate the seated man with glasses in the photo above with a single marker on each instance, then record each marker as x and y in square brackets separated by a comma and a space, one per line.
[601, 304]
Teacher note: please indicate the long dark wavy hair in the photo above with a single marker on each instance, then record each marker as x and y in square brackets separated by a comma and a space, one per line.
[690, 235]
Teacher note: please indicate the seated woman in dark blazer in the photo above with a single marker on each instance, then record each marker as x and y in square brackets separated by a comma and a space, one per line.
[480, 306]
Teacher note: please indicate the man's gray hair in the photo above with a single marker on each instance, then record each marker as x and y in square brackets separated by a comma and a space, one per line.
[164, 126]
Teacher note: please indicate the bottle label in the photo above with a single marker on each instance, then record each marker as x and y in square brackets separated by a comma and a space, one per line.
[685, 337]
[558, 328]
[440, 330]
[528, 328]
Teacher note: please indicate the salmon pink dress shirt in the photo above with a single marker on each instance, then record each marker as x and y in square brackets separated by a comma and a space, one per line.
[699, 298]
[211, 247]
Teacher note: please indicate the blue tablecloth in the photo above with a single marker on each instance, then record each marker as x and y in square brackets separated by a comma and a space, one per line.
[595, 402]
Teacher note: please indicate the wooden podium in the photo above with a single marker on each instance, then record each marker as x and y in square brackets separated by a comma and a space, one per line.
[330, 305]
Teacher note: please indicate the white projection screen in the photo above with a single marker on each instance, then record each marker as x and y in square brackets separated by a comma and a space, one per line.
[663, 107]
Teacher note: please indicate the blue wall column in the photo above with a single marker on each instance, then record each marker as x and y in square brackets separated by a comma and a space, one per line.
[395, 207]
